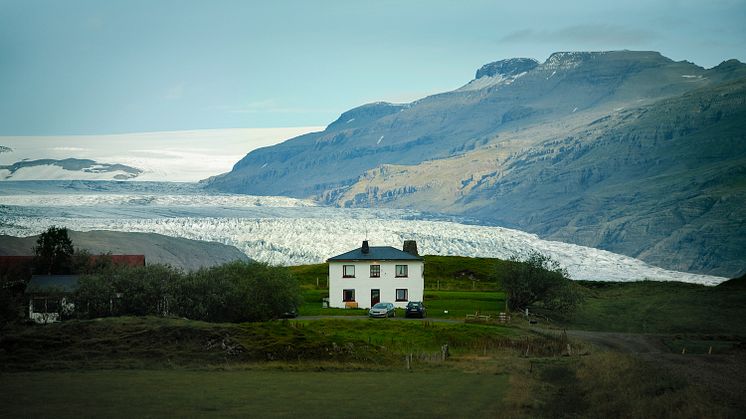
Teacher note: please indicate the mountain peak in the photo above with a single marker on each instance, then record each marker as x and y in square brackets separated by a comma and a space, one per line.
[572, 59]
[568, 59]
[508, 68]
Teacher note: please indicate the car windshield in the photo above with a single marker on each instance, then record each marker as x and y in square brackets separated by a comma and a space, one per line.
[380, 305]
[413, 304]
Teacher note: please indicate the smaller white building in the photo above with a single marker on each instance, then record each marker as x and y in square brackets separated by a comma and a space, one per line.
[372, 274]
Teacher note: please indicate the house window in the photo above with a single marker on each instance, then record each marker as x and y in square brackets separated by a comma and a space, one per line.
[46, 305]
[402, 295]
[348, 295]
[375, 271]
[40, 305]
[402, 271]
[348, 271]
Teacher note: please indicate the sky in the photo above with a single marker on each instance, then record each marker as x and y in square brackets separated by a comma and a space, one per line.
[79, 67]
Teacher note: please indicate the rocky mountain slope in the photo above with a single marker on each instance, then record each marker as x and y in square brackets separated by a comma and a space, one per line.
[178, 252]
[625, 151]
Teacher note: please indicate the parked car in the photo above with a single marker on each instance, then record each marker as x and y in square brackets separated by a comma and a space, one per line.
[382, 310]
[290, 314]
[415, 309]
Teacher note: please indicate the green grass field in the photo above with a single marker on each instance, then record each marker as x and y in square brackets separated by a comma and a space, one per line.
[251, 393]
[662, 307]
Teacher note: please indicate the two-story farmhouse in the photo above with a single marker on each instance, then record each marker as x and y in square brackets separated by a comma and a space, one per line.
[372, 274]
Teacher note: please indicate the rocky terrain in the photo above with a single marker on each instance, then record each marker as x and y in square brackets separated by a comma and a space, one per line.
[624, 151]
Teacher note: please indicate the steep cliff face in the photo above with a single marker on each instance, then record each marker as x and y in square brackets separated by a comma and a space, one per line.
[625, 151]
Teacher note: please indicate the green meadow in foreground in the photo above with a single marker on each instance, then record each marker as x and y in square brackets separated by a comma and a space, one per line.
[346, 367]
[252, 393]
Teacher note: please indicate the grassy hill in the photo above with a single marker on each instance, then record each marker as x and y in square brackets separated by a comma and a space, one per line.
[662, 307]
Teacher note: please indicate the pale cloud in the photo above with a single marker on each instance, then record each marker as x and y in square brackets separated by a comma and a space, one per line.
[175, 92]
[585, 34]
[272, 106]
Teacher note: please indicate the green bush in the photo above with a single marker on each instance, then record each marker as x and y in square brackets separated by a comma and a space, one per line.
[539, 279]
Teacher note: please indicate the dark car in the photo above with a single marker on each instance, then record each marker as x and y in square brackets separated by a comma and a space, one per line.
[415, 309]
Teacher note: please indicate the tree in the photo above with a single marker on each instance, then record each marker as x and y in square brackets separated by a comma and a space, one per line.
[54, 251]
[539, 279]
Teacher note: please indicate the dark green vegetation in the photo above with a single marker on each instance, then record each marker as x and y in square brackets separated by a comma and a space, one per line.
[233, 292]
[151, 342]
[263, 393]
[627, 151]
[661, 307]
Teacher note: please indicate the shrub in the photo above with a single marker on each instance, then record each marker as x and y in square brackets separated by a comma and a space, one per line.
[539, 279]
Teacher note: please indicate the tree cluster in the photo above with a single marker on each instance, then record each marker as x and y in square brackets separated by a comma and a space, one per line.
[540, 281]
[233, 292]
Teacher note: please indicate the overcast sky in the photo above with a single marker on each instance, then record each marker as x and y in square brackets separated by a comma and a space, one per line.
[108, 66]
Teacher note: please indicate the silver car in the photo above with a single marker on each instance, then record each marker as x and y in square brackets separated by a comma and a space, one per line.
[382, 310]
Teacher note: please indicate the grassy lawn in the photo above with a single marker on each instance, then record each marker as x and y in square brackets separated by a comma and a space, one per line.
[440, 304]
[252, 393]
[460, 303]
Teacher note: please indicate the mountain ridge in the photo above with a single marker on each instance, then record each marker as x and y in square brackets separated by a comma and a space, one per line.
[487, 126]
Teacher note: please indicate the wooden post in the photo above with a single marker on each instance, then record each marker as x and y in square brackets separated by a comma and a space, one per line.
[709, 351]
[683, 351]
[569, 351]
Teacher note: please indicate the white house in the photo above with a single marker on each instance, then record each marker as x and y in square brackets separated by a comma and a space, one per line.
[372, 274]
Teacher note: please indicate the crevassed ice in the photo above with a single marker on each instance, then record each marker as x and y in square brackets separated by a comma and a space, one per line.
[291, 241]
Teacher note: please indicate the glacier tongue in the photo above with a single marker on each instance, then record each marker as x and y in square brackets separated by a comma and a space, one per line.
[297, 239]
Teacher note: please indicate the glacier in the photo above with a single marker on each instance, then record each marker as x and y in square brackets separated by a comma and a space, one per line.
[287, 231]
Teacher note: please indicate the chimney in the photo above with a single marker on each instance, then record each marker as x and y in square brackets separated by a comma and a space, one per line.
[410, 246]
[366, 248]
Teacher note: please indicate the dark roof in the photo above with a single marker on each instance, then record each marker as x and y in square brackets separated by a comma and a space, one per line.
[52, 283]
[375, 253]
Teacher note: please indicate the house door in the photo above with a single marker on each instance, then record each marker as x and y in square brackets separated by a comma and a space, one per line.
[375, 297]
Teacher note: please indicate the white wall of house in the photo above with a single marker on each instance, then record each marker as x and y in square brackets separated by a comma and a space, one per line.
[387, 283]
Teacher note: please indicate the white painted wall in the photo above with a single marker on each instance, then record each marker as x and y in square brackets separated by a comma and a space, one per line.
[387, 283]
